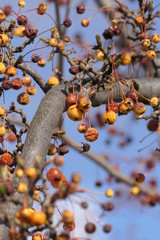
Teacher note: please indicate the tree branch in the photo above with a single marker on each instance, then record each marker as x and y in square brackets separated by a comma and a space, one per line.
[36, 76]
[102, 162]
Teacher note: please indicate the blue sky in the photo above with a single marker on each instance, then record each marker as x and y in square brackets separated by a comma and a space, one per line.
[130, 220]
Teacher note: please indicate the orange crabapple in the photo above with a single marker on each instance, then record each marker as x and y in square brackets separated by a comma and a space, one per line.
[38, 218]
[59, 160]
[21, 3]
[67, 216]
[2, 130]
[6, 159]
[112, 106]
[155, 38]
[151, 54]
[17, 83]
[53, 81]
[31, 90]
[23, 98]
[54, 174]
[109, 117]
[69, 226]
[82, 128]
[19, 31]
[52, 149]
[126, 59]
[2, 68]
[146, 43]
[26, 81]
[84, 103]
[41, 62]
[85, 22]
[139, 108]
[22, 188]
[74, 113]
[4, 38]
[37, 236]
[11, 71]
[154, 101]
[91, 134]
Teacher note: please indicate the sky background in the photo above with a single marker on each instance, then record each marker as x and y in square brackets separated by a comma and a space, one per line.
[130, 220]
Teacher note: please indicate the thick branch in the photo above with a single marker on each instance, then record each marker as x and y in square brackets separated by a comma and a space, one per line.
[45, 121]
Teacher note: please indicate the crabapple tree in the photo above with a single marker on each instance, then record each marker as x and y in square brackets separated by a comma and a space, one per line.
[123, 76]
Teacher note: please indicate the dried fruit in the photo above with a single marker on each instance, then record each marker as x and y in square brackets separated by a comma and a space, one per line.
[91, 134]
[109, 117]
[6, 159]
[23, 98]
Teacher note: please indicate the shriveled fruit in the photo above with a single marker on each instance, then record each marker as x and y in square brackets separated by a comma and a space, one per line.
[139, 108]
[42, 7]
[84, 103]
[23, 98]
[11, 71]
[82, 128]
[113, 106]
[31, 90]
[26, 81]
[151, 54]
[146, 43]
[154, 101]
[109, 117]
[41, 62]
[52, 149]
[123, 108]
[6, 159]
[69, 226]
[16, 83]
[156, 38]
[91, 134]
[53, 42]
[37, 236]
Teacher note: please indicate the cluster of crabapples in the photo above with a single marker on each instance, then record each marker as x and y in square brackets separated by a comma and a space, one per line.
[77, 107]
[23, 30]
